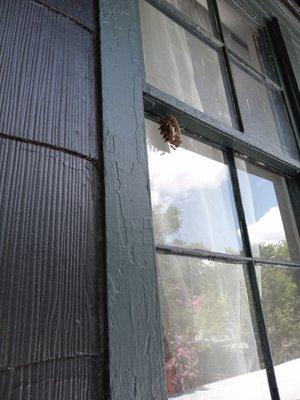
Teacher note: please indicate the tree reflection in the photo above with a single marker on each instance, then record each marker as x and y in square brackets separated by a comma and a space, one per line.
[205, 313]
[281, 306]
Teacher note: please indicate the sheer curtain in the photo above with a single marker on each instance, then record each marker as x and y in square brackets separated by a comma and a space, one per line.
[166, 44]
[210, 346]
[180, 64]
[207, 317]
[194, 183]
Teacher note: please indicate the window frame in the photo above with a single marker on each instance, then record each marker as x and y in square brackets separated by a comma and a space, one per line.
[247, 260]
[155, 100]
[134, 339]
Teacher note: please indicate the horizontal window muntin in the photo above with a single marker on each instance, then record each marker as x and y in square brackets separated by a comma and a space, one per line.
[190, 251]
[197, 10]
[205, 128]
[222, 257]
[157, 104]
[245, 38]
[225, 346]
[280, 151]
[190, 189]
[269, 213]
[200, 300]
[264, 114]
[186, 22]
[193, 28]
[193, 299]
[172, 266]
[184, 66]
[250, 70]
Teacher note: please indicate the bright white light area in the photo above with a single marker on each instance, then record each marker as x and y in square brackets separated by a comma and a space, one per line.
[252, 386]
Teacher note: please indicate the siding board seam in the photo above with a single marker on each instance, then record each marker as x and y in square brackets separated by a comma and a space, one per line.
[64, 15]
[51, 360]
[49, 146]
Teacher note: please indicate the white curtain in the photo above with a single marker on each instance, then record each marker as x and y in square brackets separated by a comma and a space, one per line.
[205, 306]
[214, 310]
[165, 44]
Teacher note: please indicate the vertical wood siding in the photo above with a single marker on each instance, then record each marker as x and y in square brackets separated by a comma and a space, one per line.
[50, 215]
[83, 11]
[47, 72]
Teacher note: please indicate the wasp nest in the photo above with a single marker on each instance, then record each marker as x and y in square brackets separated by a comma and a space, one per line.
[170, 131]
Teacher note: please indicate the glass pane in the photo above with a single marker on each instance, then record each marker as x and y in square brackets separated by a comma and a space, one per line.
[269, 215]
[210, 348]
[247, 41]
[181, 65]
[294, 48]
[197, 10]
[192, 199]
[264, 114]
[280, 293]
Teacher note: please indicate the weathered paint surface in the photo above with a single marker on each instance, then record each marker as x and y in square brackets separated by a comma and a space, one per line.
[135, 344]
[50, 231]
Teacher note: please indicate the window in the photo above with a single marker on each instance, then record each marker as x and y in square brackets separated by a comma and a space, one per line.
[279, 286]
[226, 234]
[185, 60]
[183, 66]
[190, 189]
[212, 337]
[269, 214]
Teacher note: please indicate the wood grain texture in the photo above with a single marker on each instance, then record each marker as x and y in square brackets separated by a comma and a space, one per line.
[47, 71]
[83, 11]
[49, 256]
[136, 365]
[76, 378]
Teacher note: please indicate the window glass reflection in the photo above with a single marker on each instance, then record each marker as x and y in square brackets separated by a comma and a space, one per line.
[280, 294]
[264, 114]
[181, 65]
[210, 347]
[246, 40]
[197, 10]
[293, 44]
[192, 196]
[271, 223]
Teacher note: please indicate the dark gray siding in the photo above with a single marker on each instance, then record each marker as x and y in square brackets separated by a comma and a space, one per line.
[82, 11]
[50, 214]
[47, 72]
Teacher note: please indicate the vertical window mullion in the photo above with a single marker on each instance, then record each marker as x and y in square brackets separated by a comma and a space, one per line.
[286, 75]
[225, 65]
[262, 331]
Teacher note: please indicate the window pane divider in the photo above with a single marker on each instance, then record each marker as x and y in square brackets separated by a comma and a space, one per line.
[229, 82]
[249, 69]
[261, 326]
[222, 257]
[201, 253]
[286, 75]
[157, 104]
[186, 23]
[283, 263]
